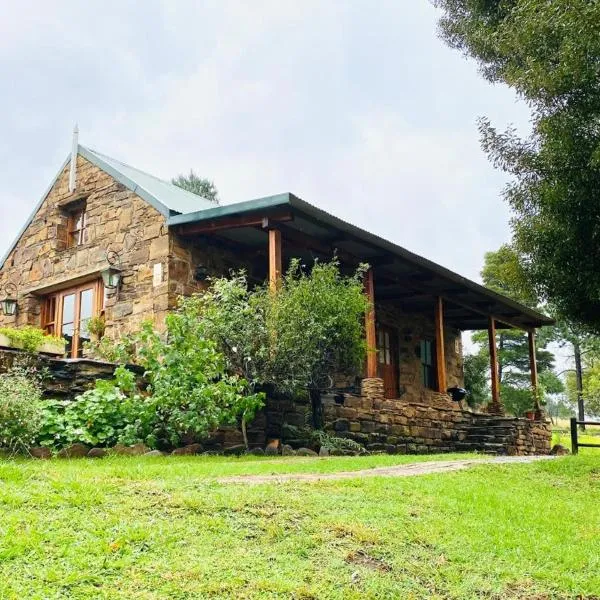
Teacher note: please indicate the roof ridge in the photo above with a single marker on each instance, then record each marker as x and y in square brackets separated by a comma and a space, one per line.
[170, 183]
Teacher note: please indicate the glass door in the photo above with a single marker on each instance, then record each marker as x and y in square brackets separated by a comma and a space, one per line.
[67, 313]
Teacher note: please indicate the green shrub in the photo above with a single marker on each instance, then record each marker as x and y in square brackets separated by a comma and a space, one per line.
[189, 391]
[331, 442]
[113, 412]
[20, 409]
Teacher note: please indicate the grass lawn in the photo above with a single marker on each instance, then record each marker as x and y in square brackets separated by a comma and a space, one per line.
[165, 528]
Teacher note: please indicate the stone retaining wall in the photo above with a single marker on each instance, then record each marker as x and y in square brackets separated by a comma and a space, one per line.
[400, 426]
[394, 426]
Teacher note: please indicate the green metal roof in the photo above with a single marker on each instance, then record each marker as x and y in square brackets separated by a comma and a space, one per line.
[166, 197]
[366, 244]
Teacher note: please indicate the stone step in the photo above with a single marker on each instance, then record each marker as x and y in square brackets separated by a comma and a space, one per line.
[502, 439]
[486, 447]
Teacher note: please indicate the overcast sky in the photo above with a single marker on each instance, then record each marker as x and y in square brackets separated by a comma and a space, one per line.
[356, 106]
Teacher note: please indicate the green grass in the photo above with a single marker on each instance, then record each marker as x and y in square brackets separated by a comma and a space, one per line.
[165, 528]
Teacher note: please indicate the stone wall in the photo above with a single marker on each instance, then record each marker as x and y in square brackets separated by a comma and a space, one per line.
[217, 259]
[411, 329]
[403, 426]
[393, 426]
[66, 377]
[118, 220]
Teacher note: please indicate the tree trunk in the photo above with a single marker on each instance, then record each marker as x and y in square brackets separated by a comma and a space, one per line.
[317, 409]
[579, 379]
[245, 433]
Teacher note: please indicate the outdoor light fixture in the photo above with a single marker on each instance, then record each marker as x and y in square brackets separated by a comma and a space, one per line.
[9, 303]
[112, 278]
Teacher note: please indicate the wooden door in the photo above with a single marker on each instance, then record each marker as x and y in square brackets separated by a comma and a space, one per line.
[387, 360]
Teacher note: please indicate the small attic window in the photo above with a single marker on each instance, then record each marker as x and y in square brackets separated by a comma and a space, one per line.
[77, 223]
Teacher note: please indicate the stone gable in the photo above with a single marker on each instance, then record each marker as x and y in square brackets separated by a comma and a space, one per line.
[118, 220]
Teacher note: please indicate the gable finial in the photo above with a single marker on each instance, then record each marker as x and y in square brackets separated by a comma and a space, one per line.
[74, 149]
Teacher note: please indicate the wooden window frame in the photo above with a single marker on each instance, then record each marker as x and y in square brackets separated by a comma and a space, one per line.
[428, 369]
[53, 306]
[77, 234]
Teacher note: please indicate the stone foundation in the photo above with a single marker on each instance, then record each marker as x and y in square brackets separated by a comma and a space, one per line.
[381, 425]
[401, 426]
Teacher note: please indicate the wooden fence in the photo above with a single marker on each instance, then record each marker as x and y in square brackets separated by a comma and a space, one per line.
[575, 443]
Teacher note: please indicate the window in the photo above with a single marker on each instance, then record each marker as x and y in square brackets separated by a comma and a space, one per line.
[427, 364]
[77, 233]
[67, 313]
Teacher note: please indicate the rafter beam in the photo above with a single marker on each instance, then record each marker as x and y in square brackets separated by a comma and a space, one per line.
[502, 319]
[208, 227]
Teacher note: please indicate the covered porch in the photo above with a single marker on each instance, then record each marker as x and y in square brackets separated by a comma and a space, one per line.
[418, 308]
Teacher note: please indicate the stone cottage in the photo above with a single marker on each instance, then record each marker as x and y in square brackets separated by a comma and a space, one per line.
[109, 240]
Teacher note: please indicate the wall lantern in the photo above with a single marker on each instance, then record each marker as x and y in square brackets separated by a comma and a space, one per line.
[9, 303]
[112, 278]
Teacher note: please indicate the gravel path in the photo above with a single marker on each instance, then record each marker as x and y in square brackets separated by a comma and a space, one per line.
[406, 470]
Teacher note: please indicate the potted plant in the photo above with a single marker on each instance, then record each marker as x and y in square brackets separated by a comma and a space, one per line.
[96, 327]
[31, 339]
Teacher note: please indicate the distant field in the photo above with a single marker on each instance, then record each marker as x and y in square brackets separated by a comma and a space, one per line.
[150, 528]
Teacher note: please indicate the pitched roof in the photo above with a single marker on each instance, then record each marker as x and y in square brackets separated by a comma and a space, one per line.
[472, 303]
[165, 197]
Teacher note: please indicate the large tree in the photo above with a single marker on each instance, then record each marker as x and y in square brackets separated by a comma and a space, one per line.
[548, 51]
[197, 185]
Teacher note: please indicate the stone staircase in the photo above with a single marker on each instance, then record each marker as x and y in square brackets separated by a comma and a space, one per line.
[490, 434]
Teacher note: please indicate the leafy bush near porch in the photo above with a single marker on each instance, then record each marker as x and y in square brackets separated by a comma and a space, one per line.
[189, 392]
[295, 339]
[113, 412]
[21, 412]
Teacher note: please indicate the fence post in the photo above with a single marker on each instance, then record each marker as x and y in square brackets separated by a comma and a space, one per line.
[574, 445]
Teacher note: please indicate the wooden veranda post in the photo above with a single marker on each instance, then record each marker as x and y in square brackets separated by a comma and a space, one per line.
[274, 258]
[533, 368]
[495, 406]
[440, 351]
[370, 333]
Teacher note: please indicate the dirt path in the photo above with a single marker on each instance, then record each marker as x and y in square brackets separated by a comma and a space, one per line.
[406, 470]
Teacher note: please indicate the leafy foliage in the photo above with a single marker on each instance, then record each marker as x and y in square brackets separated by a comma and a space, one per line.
[549, 52]
[476, 379]
[334, 443]
[112, 412]
[316, 321]
[20, 408]
[189, 389]
[294, 339]
[197, 185]
[29, 338]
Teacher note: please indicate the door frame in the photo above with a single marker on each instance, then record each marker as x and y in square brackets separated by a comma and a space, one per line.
[388, 350]
[52, 312]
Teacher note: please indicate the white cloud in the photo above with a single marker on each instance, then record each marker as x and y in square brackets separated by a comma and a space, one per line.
[354, 106]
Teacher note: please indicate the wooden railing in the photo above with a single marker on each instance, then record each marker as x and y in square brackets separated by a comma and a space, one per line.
[575, 443]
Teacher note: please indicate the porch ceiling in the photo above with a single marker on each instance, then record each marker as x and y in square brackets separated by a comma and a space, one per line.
[401, 277]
